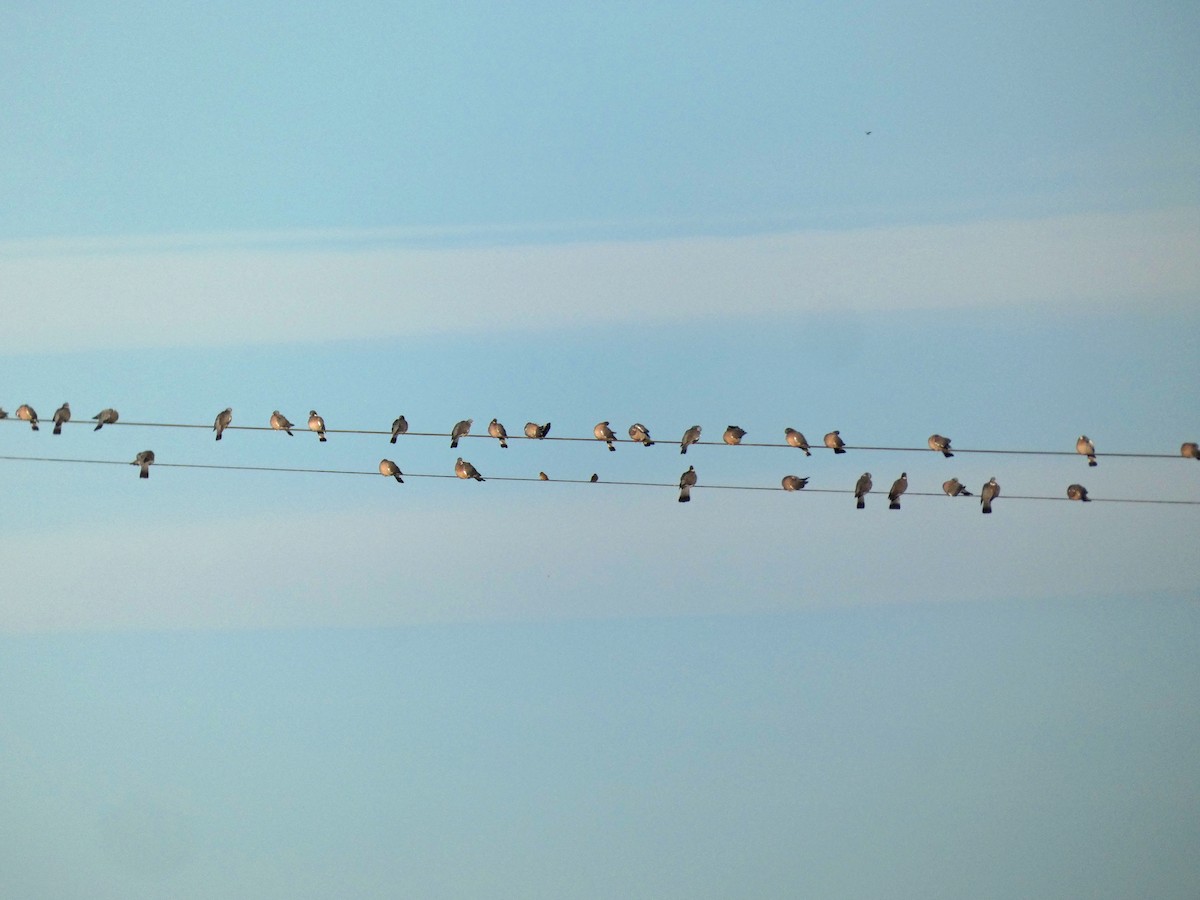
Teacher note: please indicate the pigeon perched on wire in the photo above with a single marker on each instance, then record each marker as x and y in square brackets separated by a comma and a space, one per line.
[280, 423]
[733, 435]
[691, 436]
[1078, 492]
[26, 413]
[224, 417]
[686, 482]
[1085, 447]
[496, 430]
[461, 429]
[796, 439]
[941, 443]
[1190, 450]
[387, 467]
[399, 427]
[834, 442]
[604, 433]
[317, 424]
[464, 469]
[144, 459]
[638, 432]
[861, 488]
[899, 486]
[535, 431]
[61, 416]
[954, 488]
[105, 417]
[794, 482]
[990, 492]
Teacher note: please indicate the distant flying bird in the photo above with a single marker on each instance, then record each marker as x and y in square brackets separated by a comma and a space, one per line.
[399, 427]
[594, 478]
[496, 430]
[990, 492]
[224, 417]
[868, 132]
[1190, 450]
[26, 414]
[464, 469]
[461, 429]
[691, 436]
[604, 433]
[638, 432]
[144, 459]
[796, 439]
[1085, 447]
[861, 488]
[387, 467]
[105, 417]
[686, 482]
[536, 431]
[542, 476]
[938, 442]
[733, 435]
[61, 415]
[954, 488]
[280, 423]
[899, 486]
[1078, 492]
[794, 482]
[316, 423]
[834, 442]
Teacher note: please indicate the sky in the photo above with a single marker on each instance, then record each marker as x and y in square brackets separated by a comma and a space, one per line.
[886, 219]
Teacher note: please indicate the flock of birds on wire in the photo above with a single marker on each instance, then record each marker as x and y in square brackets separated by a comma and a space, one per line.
[637, 432]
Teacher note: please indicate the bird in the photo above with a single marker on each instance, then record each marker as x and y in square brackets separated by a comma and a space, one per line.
[536, 431]
[542, 476]
[399, 426]
[26, 414]
[61, 415]
[639, 432]
[954, 488]
[691, 436]
[794, 483]
[316, 423]
[387, 467]
[144, 459]
[280, 423]
[990, 492]
[224, 417]
[733, 435]
[1190, 450]
[459, 430]
[899, 486]
[938, 442]
[604, 433]
[464, 469]
[496, 430]
[105, 417]
[834, 442]
[796, 439]
[686, 482]
[861, 488]
[3, 413]
[595, 478]
[1085, 447]
[1078, 492]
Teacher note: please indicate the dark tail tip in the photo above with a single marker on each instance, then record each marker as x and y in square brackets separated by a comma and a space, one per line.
[398, 479]
[612, 448]
[392, 441]
[893, 505]
[861, 505]
[98, 427]
[454, 443]
[218, 435]
[34, 426]
[1091, 462]
[58, 429]
[322, 438]
[290, 434]
[947, 454]
[143, 474]
[839, 450]
[806, 453]
[987, 510]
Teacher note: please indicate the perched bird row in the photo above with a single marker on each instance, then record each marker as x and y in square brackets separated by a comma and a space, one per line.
[62, 415]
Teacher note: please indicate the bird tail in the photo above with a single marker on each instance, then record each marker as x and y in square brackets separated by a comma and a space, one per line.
[545, 429]
[33, 425]
[947, 454]
[839, 450]
[861, 503]
[647, 442]
[145, 473]
[685, 494]
[58, 427]
[99, 425]
[321, 437]
[479, 477]
[218, 435]
[289, 431]
[396, 475]
[895, 504]
[503, 444]
[683, 449]
[393, 440]
[453, 443]
[987, 506]
[611, 447]
[1091, 459]
[966, 493]
[806, 453]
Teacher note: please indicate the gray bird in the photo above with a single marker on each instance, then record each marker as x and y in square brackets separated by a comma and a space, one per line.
[1190, 450]
[604, 433]
[464, 469]
[691, 436]
[1078, 492]
[990, 492]
[733, 435]
[939, 442]
[496, 430]
[686, 482]
[535, 431]
[399, 427]
[542, 476]
[224, 417]
[26, 414]
[387, 467]
[834, 442]
[638, 432]
[316, 423]
[954, 488]
[1085, 447]
[899, 486]
[794, 483]
[796, 439]
[594, 478]
[280, 423]
[105, 417]
[461, 429]
[861, 488]
[61, 415]
[144, 459]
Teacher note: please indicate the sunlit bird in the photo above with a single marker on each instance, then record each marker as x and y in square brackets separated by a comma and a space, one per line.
[145, 459]
[496, 430]
[604, 433]
[105, 417]
[834, 442]
[954, 488]
[638, 432]
[399, 427]
[733, 435]
[794, 482]
[387, 467]
[61, 416]
[535, 431]
[796, 439]
[316, 423]
[941, 443]
[1085, 447]
[1078, 492]
[280, 423]
[26, 413]
[464, 469]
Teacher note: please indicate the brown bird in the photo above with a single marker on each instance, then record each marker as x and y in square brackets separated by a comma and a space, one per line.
[733, 435]
[536, 431]
[317, 424]
[604, 433]
[861, 488]
[1078, 492]
[399, 427]
[899, 486]
[794, 482]
[61, 415]
[144, 459]
[796, 439]
[990, 492]
[594, 478]
[3, 413]
[938, 442]
[105, 417]
[954, 488]
[686, 482]
[224, 417]
[542, 476]
[691, 436]
[26, 414]
[1085, 447]
[280, 423]
[834, 442]
[638, 432]
[496, 430]
[1191, 450]
[464, 469]
[387, 467]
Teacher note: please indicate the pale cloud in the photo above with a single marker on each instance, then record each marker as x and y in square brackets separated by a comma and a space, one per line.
[239, 289]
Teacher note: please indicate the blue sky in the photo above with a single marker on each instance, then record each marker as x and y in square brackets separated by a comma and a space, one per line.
[286, 684]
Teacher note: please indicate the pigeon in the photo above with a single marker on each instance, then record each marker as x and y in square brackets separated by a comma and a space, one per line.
[316, 423]
[990, 492]
[796, 439]
[834, 442]
[954, 488]
[594, 478]
[861, 488]
[794, 483]
[536, 431]
[1190, 450]
[496, 430]
[280, 423]
[542, 476]
[105, 417]
[604, 433]
[464, 469]
[899, 486]
[144, 459]
[938, 442]
[1078, 492]
[1085, 447]
[639, 432]
[61, 415]
[459, 430]
[3, 413]
[733, 435]
[224, 417]
[691, 436]
[686, 482]
[26, 414]
[387, 467]
[399, 426]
